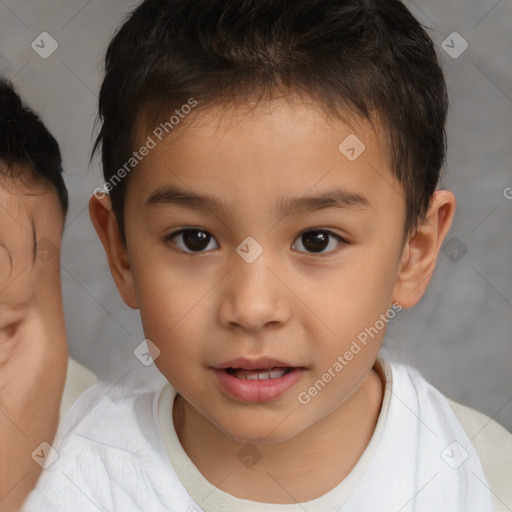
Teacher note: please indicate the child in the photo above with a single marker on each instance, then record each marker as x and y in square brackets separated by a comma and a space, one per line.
[34, 370]
[33, 347]
[301, 143]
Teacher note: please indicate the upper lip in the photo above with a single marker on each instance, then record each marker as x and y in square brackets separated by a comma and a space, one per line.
[260, 363]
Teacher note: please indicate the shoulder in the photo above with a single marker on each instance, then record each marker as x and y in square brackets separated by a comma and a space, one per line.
[493, 444]
[107, 450]
[110, 413]
[104, 399]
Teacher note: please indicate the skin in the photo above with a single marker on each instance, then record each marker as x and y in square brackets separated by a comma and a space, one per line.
[33, 345]
[292, 304]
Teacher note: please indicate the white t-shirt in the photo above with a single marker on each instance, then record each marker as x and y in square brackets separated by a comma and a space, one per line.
[118, 451]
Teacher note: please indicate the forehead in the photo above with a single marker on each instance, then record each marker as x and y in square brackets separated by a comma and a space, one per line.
[22, 197]
[275, 149]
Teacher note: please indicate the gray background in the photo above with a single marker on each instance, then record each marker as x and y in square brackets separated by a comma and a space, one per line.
[459, 335]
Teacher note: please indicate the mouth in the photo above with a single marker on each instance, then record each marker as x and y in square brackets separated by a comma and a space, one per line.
[264, 374]
[257, 380]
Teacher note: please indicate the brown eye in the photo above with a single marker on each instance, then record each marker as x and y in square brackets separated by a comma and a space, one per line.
[190, 240]
[316, 241]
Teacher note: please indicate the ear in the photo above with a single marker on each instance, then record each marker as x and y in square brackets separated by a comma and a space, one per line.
[105, 224]
[421, 250]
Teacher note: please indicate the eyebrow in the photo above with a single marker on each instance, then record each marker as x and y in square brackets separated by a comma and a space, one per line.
[335, 198]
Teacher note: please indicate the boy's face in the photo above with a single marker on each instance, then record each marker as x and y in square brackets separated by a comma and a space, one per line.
[31, 225]
[213, 301]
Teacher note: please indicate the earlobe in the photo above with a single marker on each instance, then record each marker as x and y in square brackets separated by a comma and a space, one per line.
[106, 226]
[422, 249]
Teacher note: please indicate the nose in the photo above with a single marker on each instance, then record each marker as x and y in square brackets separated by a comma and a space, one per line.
[253, 296]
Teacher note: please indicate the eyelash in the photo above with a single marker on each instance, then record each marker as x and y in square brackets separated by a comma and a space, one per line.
[169, 240]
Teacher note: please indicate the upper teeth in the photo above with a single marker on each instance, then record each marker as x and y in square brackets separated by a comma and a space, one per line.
[260, 374]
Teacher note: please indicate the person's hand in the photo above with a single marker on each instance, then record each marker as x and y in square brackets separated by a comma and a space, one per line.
[33, 344]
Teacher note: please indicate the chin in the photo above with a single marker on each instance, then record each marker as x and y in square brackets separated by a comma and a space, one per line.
[258, 431]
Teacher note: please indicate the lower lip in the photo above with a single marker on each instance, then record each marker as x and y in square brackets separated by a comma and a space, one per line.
[257, 390]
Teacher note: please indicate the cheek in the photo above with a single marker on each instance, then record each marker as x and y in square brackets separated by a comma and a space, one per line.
[362, 285]
[351, 304]
[170, 305]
